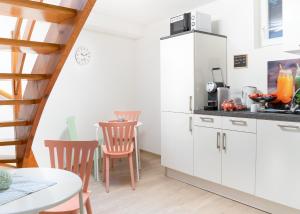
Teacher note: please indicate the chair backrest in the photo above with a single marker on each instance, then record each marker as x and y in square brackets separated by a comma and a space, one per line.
[118, 136]
[74, 156]
[71, 126]
[128, 115]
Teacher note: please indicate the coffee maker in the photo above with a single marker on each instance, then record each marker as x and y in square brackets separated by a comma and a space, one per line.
[217, 91]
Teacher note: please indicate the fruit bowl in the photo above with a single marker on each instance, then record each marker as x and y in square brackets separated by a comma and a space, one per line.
[263, 97]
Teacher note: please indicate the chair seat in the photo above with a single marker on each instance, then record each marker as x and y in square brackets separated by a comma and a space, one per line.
[106, 152]
[69, 206]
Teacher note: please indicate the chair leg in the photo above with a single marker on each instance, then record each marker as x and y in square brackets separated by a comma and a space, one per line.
[131, 171]
[103, 169]
[107, 173]
[88, 206]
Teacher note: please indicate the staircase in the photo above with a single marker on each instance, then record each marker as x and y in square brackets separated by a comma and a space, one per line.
[66, 21]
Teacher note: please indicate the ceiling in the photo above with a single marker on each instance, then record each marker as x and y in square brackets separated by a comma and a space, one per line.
[128, 18]
[144, 12]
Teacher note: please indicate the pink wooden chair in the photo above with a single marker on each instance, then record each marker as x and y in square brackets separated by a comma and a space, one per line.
[77, 157]
[128, 115]
[118, 143]
[131, 116]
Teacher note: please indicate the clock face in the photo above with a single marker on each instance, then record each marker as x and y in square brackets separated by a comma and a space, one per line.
[83, 56]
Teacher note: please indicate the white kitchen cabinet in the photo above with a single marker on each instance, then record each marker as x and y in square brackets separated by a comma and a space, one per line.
[177, 73]
[278, 162]
[291, 30]
[225, 156]
[207, 153]
[238, 160]
[177, 142]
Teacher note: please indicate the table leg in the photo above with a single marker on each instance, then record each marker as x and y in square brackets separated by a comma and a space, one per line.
[96, 164]
[136, 157]
[97, 160]
[138, 145]
[81, 202]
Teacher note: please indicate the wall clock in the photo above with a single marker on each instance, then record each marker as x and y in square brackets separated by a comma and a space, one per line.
[83, 56]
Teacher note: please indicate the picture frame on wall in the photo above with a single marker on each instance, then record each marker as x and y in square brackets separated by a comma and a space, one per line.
[271, 22]
[240, 61]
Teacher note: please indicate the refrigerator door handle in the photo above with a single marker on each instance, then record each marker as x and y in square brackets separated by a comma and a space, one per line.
[191, 124]
[191, 103]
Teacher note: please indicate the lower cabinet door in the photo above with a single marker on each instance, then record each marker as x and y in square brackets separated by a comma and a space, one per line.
[207, 153]
[177, 142]
[278, 162]
[238, 160]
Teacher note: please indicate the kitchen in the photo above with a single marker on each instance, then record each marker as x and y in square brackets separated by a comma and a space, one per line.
[214, 87]
[249, 155]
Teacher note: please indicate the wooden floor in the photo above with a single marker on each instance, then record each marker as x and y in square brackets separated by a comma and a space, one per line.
[157, 194]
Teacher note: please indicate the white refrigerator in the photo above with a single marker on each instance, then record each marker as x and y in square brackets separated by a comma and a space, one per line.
[186, 63]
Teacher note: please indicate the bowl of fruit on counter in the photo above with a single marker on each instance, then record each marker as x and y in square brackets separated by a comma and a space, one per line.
[263, 98]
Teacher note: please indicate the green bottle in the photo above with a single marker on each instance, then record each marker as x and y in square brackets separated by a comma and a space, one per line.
[297, 78]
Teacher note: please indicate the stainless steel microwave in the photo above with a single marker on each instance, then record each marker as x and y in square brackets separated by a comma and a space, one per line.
[190, 21]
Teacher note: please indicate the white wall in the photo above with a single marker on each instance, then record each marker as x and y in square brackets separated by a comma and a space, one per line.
[235, 18]
[148, 86]
[89, 92]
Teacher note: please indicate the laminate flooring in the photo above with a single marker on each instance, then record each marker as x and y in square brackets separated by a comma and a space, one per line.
[157, 194]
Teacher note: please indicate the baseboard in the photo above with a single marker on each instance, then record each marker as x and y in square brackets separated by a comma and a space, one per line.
[241, 197]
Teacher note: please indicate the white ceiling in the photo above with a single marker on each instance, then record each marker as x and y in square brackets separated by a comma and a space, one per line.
[145, 12]
[129, 17]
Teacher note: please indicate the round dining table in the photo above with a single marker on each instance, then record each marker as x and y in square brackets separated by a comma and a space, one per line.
[67, 186]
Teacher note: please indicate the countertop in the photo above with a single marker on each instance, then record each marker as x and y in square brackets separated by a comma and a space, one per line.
[258, 115]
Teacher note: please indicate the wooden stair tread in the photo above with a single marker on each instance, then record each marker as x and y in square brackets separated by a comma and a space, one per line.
[15, 123]
[11, 142]
[25, 46]
[36, 11]
[24, 76]
[8, 159]
[20, 102]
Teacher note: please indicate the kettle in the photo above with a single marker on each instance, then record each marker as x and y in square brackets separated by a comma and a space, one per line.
[246, 91]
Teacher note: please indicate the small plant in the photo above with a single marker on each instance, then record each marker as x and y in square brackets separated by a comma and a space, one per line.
[5, 179]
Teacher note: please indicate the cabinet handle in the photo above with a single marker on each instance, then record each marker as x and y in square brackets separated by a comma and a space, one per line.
[191, 124]
[224, 142]
[218, 140]
[207, 119]
[288, 127]
[239, 122]
[191, 100]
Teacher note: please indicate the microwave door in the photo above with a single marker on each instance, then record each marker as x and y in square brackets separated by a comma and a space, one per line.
[181, 24]
[177, 27]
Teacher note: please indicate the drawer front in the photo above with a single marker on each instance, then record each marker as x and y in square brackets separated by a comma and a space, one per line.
[208, 121]
[239, 124]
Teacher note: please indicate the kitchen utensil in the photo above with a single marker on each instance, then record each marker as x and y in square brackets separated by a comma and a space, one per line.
[246, 91]
[222, 95]
[213, 94]
[254, 108]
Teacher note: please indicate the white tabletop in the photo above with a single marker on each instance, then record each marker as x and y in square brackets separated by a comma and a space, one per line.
[67, 185]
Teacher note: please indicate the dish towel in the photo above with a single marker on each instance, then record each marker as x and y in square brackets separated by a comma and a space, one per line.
[22, 186]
